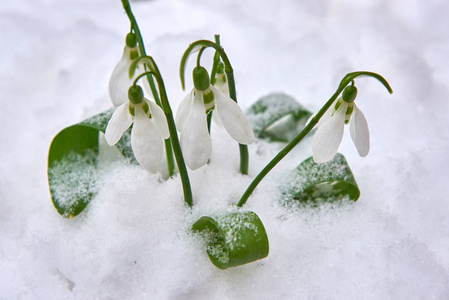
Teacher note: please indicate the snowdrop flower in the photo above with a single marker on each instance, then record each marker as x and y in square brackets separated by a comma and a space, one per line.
[220, 80]
[191, 120]
[329, 135]
[148, 132]
[120, 81]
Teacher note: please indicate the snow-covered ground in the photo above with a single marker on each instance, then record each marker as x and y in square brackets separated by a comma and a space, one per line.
[133, 241]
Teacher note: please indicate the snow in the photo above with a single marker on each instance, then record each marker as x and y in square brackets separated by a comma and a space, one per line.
[73, 168]
[134, 239]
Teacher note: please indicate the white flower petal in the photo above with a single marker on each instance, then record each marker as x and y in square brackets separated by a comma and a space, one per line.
[221, 83]
[195, 141]
[159, 119]
[120, 121]
[120, 81]
[146, 141]
[234, 120]
[360, 132]
[324, 118]
[183, 111]
[328, 137]
[216, 118]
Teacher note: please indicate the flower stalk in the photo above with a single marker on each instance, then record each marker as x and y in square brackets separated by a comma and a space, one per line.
[164, 103]
[135, 28]
[344, 82]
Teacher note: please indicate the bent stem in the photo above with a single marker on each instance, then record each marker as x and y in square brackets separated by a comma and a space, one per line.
[345, 81]
[135, 28]
[212, 75]
[164, 103]
[244, 156]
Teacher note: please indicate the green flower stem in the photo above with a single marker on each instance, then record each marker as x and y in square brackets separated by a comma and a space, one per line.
[212, 76]
[135, 27]
[345, 81]
[166, 107]
[244, 157]
[176, 146]
[216, 61]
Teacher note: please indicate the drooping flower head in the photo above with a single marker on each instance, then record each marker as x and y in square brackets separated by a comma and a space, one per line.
[191, 120]
[120, 80]
[148, 132]
[221, 82]
[330, 131]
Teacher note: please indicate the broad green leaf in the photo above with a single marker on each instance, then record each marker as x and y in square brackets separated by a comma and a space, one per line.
[72, 161]
[233, 239]
[322, 183]
[277, 117]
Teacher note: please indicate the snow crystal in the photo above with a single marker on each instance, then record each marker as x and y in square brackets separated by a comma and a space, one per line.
[317, 184]
[215, 246]
[73, 179]
[234, 225]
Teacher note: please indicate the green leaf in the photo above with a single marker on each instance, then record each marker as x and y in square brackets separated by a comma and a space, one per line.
[277, 117]
[72, 161]
[322, 183]
[233, 239]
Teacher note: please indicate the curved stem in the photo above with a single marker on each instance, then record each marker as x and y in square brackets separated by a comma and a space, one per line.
[212, 77]
[198, 59]
[174, 137]
[135, 27]
[173, 141]
[345, 81]
[213, 72]
[142, 75]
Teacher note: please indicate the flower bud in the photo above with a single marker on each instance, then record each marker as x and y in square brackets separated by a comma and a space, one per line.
[220, 68]
[200, 78]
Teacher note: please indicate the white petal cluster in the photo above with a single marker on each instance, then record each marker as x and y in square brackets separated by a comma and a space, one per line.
[330, 131]
[191, 122]
[147, 135]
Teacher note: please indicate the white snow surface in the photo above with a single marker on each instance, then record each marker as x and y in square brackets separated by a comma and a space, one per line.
[134, 240]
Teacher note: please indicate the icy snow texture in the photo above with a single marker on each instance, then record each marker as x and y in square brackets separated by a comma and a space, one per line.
[133, 241]
[72, 179]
